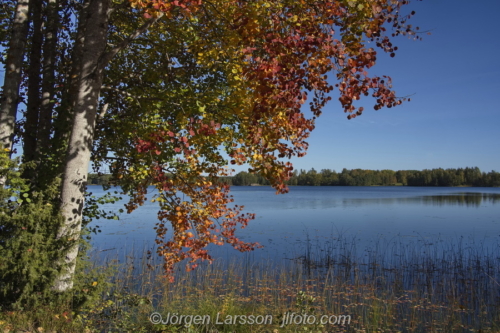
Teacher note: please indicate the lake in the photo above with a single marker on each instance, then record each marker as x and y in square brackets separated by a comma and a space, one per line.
[324, 220]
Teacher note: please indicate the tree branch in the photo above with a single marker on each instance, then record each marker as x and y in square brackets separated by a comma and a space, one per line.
[124, 4]
[135, 98]
[104, 110]
[106, 58]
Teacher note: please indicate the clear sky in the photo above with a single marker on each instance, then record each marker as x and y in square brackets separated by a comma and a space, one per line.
[453, 118]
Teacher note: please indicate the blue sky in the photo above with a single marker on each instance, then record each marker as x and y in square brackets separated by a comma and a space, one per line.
[453, 118]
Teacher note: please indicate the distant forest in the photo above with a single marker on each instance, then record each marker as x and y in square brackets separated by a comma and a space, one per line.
[359, 177]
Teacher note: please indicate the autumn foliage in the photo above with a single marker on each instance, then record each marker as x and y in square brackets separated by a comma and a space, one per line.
[232, 74]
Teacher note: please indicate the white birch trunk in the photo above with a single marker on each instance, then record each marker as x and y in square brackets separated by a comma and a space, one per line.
[93, 61]
[81, 139]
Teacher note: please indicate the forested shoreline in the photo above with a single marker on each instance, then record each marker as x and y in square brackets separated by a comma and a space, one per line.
[469, 176]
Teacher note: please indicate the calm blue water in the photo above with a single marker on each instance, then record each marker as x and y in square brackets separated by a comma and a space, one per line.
[319, 217]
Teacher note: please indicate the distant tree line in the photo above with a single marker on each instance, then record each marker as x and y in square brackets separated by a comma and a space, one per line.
[359, 177]
[99, 179]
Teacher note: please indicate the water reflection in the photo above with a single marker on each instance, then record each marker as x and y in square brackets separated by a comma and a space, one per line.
[284, 222]
[470, 199]
[325, 200]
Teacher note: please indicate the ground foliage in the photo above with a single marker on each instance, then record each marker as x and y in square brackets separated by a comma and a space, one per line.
[30, 250]
[27, 241]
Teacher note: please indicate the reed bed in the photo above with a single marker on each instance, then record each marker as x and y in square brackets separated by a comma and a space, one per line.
[390, 287]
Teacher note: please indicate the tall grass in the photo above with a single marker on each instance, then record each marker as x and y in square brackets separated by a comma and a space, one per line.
[390, 287]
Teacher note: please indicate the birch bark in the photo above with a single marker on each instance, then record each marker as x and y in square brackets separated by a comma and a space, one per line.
[80, 142]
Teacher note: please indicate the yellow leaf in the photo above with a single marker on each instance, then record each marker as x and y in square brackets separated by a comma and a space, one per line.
[94, 283]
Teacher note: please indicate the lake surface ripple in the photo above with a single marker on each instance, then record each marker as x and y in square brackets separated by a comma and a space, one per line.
[321, 221]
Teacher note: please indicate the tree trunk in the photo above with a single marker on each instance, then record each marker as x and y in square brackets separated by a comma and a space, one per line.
[49, 59]
[62, 123]
[12, 80]
[89, 59]
[45, 170]
[32, 109]
[81, 139]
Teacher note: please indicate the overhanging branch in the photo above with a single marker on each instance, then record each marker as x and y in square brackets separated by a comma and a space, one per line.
[106, 58]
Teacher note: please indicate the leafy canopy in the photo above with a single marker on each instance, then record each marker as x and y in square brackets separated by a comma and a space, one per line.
[233, 74]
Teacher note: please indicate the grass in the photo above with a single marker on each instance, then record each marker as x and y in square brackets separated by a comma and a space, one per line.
[397, 287]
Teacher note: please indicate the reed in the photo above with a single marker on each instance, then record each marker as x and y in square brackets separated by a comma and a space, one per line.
[389, 287]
